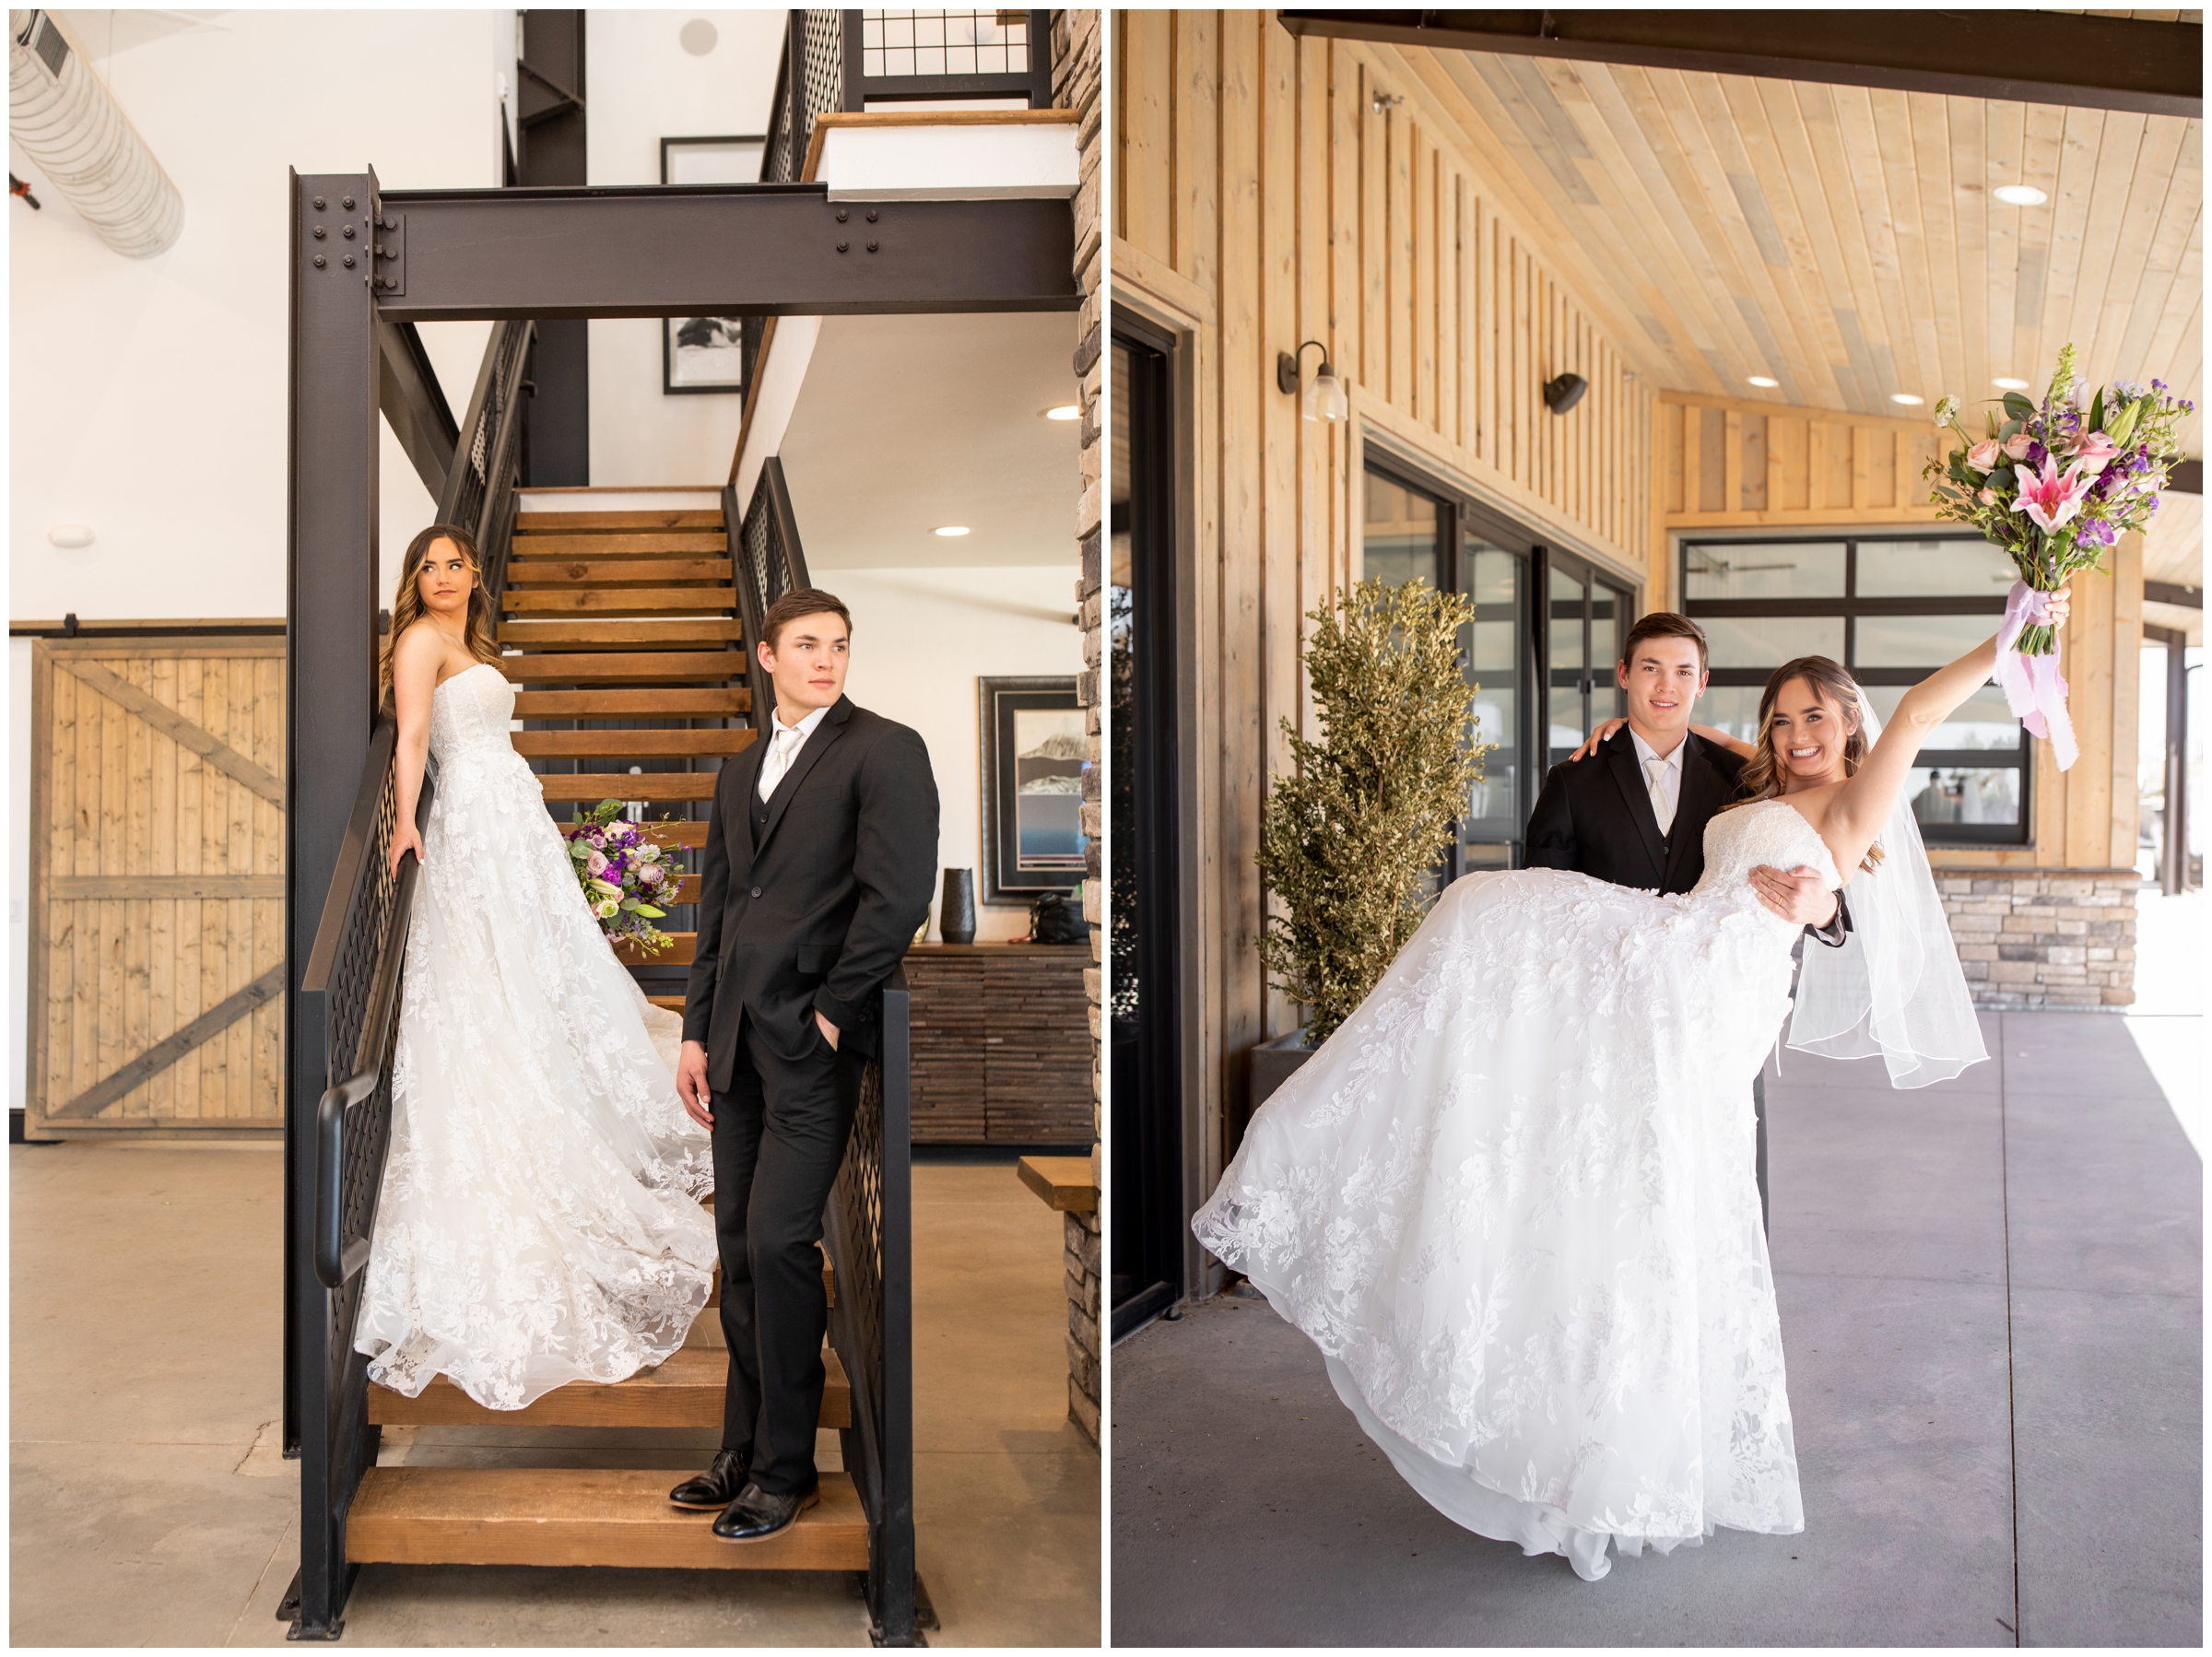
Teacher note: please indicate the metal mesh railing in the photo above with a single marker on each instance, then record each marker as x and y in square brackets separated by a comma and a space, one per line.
[868, 1228]
[895, 43]
[810, 82]
[486, 465]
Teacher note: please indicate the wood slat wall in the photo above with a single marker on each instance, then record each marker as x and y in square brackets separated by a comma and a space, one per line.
[123, 814]
[1270, 190]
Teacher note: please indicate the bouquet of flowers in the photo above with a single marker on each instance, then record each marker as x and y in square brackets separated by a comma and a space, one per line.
[2055, 485]
[625, 875]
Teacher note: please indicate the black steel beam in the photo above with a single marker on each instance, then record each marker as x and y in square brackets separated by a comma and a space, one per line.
[414, 403]
[2033, 56]
[330, 683]
[2187, 477]
[2174, 593]
[724, 250]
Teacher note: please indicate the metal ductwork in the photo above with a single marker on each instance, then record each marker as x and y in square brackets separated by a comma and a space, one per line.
[68, 122]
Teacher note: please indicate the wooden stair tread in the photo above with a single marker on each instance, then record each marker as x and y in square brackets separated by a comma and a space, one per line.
[686, 1390]
[581, 1516]
[528, 572]
[1064, 1183]
[636, 518]
[707, 703]
[615, 667]
[672, 1003]
[621, 601]
[597, 542]
[596, 633]
[630, 745]
[653, 787]
[682, 946]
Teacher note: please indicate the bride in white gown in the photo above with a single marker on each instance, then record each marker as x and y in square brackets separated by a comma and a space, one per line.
[1512, 1199]
[539, 1220]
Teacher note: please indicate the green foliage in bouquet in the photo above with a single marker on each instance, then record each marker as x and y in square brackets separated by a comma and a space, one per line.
[1351, 837]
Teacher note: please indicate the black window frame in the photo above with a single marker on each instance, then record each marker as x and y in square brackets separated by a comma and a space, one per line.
[1851, 609]
[1596, 677]
[1459, 517]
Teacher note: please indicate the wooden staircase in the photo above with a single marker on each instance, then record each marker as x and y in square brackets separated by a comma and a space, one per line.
[620, 616]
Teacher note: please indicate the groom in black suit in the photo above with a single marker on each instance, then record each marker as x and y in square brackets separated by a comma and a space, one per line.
[1638, 818]
[819, 849]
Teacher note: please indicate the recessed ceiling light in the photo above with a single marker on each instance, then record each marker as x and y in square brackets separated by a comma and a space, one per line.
[2020, 195]
[1907, 398]
[1067, 411]
[1760, 380]
[2006, 383]
[951, 529]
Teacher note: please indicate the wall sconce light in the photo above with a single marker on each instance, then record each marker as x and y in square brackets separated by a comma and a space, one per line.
[1324, 400]
[1563, 393]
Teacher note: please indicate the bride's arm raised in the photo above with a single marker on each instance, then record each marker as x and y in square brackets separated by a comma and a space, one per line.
[1859, 808]
[415, 660]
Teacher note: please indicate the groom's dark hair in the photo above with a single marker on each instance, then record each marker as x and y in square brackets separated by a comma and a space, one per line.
[1664, 624]
[799, 602]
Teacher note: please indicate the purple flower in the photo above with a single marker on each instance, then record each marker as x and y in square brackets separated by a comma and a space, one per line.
[2036, 454]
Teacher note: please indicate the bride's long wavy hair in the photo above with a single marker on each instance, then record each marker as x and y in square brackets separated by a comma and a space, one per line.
[1764, 777]
[481, 633]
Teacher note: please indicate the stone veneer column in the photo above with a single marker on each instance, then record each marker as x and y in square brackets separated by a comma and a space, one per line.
[2044, 937]
[1075, 86]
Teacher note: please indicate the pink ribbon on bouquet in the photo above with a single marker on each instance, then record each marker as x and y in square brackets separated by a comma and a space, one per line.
[2033, 688]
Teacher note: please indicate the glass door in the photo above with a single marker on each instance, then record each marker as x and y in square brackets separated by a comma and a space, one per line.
[1145, 1267]
[1585, 615]
[1413, 530]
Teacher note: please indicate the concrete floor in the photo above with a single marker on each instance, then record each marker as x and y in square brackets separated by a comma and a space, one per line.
[149, 1506]
[1991, 1300]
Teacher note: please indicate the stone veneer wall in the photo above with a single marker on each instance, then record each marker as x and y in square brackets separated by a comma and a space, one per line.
[2044, 937]
[1075, 86]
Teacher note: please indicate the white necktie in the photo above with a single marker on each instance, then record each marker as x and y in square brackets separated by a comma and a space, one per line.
[782, 748]
[1661, 808]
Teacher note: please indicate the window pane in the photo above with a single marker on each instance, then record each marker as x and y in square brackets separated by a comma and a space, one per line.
[1731, 707]
[1951, 568]
[1950, 795]
[1763, 569]
[1607, 606]
[1567, 594]
[1771, 640]
[1918, 641]
[1984, 720]
[1566, 722]
[1494, 577]
[1400, 534]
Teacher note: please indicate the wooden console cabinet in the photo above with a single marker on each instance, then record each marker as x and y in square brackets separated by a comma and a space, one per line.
[1002, 1044]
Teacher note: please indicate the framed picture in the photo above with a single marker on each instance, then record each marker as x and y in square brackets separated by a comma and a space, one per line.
[1035, 751]
[706, 353]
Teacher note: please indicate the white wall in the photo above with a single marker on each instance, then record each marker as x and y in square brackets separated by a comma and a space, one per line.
[921, 639]
[642, 87]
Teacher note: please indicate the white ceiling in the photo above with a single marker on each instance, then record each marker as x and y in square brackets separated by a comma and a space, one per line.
[908, 422]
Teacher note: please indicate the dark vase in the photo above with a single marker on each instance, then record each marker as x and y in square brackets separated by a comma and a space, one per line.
[956, 909]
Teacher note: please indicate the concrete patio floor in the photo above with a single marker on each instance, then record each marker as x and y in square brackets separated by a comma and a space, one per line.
[149, 1504]
[1992, 1302]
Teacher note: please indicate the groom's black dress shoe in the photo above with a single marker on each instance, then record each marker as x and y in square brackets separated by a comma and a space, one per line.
[756, 1515]
[719, 1484]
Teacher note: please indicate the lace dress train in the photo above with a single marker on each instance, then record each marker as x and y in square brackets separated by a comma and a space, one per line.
[1512, 1200]
[539, 1219]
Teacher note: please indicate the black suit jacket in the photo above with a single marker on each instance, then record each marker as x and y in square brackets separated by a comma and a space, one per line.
[1594, 815]
[817, 913]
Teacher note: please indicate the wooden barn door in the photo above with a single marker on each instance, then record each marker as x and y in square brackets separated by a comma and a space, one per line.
[156, 953]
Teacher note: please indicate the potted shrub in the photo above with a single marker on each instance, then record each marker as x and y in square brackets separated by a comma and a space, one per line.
[1351, 837]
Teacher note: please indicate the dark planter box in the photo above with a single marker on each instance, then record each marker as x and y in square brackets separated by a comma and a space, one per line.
[1271, 1064]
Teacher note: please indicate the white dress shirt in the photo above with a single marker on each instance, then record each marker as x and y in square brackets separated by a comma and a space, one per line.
[1663, 777]
[783, 745]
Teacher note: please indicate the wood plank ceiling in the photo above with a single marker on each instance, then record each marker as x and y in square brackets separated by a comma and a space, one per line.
[1843, 241]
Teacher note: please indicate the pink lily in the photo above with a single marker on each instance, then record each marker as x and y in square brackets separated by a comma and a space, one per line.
[2048, 497]
[1982, 456]
[2095, 451]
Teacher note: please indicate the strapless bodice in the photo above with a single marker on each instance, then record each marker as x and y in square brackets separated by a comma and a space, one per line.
[1772, 832]
[469, 715]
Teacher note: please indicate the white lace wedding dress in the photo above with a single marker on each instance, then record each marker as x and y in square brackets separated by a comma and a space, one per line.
[539, 1220]
[1512, 1200]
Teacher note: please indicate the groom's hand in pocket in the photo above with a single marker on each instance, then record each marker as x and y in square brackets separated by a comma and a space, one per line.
[1800, 897]
[691, 1083]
